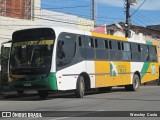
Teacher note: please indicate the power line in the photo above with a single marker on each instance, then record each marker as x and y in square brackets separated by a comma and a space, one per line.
[48, 20]
[140, 17]
[141, 21]
[60, 21]
[67, 7]
[138, 8]
[148, 19]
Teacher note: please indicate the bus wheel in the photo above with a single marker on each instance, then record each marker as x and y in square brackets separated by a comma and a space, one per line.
[80, 88]
[135, 85]
[20, 92]
[43, 94]
[105, 89]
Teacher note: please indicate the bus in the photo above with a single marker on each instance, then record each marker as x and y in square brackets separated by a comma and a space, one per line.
[60, 59]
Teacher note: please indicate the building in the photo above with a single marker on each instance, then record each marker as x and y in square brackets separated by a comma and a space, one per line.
[154, 27]
[58, 19]
[55, 19]
[138, 32]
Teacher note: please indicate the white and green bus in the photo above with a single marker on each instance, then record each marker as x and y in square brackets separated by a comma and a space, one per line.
[58, 59]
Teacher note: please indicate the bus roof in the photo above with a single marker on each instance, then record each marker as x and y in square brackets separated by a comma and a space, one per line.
[58, 30]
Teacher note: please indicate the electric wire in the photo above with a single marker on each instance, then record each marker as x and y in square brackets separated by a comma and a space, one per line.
[138, 8]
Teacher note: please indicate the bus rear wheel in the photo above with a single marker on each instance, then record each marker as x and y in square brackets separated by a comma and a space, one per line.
[43, 94]
[80, 87]
[135, 84]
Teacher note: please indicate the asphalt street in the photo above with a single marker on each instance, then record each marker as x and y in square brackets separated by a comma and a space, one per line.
[147, 98]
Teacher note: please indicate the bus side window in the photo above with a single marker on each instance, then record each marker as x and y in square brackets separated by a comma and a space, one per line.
[100, 50]
[106, 44]
[80, 41]
[144, 53]
[136, 52]
[126, 51]
[115, 50]
[152, 53]
[65, 52]
[88, 50]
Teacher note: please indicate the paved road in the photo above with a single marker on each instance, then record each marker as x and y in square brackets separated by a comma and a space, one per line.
[147, 98]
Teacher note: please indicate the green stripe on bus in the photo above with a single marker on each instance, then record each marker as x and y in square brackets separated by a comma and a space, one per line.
[148, 43]
[52, 81]
[144, 69]
[49, 82]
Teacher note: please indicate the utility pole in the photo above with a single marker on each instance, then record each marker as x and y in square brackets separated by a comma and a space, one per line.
[127, 25]
[93, 13]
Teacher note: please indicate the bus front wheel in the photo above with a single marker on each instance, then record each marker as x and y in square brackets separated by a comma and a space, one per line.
[43, 94]
[135, 84]
[80, 87]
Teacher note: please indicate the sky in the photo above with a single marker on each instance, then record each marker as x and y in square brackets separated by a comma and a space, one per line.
[108, 11]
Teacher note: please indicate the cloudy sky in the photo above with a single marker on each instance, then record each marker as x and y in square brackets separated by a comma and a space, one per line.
[108, 11]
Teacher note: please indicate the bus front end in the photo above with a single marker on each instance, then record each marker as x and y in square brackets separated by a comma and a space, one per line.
[31, 60]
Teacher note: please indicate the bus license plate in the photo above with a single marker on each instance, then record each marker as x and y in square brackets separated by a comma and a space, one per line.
[27, 84]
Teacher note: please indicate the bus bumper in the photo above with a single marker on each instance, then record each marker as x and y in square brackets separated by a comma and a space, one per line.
[35, 82]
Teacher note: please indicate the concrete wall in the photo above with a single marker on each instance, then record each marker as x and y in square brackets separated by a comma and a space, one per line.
[58, 19]
[85, 24]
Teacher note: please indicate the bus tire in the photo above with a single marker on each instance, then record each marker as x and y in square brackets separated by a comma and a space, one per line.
[105, 89]
[80, 87]
[43, 94]
[135, 84]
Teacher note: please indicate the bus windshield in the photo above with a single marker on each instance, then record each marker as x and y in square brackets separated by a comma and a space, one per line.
[31, 51]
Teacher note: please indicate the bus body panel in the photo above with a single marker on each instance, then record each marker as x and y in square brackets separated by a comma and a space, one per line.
[149, 72]
[67, 77]
[112, 73]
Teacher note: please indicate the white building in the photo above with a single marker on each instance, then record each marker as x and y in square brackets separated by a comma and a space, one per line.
[59, 19]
